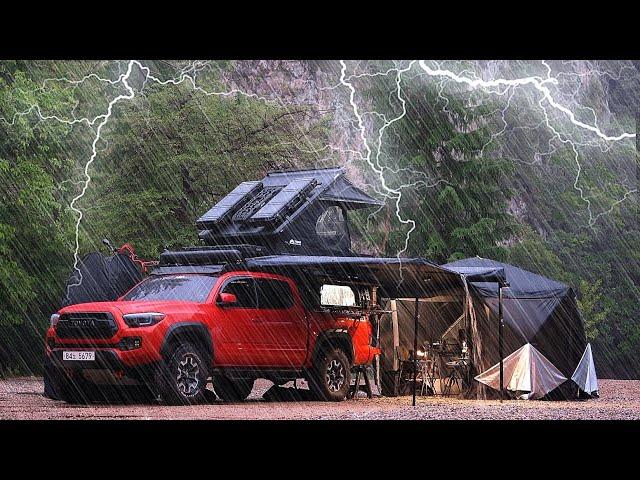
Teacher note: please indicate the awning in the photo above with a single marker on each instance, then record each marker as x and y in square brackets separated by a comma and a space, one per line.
[396, 277]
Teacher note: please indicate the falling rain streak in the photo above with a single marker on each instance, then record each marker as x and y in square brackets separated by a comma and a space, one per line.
[527, 162]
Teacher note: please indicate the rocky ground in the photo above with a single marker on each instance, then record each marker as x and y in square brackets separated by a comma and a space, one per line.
[21, 399]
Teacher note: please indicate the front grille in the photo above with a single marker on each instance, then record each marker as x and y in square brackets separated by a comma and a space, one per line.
[86, 325]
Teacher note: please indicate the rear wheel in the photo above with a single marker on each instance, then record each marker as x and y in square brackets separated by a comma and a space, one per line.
[183, 376]
[330, 378]
[232, 389]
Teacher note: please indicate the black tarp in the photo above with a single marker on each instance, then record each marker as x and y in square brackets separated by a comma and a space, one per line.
[396, 277]
[101, 278]
[537, 310]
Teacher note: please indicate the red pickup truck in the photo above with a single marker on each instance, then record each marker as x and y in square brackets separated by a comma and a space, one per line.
[173, 332]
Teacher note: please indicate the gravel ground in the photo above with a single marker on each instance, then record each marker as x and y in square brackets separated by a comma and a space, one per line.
[21, 399]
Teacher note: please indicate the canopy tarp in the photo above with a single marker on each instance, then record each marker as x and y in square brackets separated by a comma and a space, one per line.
[522, 284]
[99, 278]
[482, 274]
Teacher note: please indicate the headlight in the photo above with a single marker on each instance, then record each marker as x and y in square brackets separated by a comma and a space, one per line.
[54, 319]
[142, 319]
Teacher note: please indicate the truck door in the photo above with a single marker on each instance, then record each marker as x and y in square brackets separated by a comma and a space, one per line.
[284, 326]
[236, 324]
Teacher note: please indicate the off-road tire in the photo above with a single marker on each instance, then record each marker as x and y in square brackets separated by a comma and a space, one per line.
[182, 376]
[232, 389]
[330, 377]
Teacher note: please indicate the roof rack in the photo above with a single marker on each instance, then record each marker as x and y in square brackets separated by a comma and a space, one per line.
[212, 255]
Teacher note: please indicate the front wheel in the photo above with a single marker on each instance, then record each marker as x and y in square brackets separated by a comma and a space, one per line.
[183, 376]
[330, 378]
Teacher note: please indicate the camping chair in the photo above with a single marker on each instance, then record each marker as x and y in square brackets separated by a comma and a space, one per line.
[455, 376]
[404, 378]
[448, 372]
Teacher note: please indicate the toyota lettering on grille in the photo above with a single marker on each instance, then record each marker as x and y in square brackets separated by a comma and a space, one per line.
[82, 323]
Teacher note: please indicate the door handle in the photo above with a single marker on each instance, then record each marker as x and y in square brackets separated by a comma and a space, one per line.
[258, 320]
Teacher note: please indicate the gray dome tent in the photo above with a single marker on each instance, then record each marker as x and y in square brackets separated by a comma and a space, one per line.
[537, 311]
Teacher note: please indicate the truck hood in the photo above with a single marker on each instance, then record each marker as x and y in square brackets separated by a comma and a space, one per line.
[135, 306]
[162, 306]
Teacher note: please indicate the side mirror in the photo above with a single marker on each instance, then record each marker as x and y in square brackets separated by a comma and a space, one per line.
[227, 299]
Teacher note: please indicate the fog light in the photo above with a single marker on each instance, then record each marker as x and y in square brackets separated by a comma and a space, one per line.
[51, 342]
[130, 343]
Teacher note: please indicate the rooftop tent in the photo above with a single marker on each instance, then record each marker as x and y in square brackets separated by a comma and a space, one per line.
[537, 310]
[302, 212]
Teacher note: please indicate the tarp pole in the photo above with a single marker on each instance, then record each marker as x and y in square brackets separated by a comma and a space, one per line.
[500, 341]
[415, 348]
[374, 302]
[396, 334]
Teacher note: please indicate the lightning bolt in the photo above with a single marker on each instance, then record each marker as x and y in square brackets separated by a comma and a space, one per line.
[103, 120]
[540, 85]
[394, 194]
[546, 102]
[187, 75]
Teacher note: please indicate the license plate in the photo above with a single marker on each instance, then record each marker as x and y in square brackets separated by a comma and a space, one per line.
[81, 356]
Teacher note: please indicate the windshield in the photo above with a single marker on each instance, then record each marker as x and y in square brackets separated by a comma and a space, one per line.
[188, 288]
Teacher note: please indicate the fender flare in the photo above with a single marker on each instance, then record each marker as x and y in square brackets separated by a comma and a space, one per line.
[195, 330]
[337, 336]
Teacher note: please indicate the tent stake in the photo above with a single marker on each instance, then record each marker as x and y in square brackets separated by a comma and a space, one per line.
[500, 341]
[416, 315]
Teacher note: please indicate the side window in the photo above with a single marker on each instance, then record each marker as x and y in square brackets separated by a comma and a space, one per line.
[274, 294]
[337, 296]
[245, 291]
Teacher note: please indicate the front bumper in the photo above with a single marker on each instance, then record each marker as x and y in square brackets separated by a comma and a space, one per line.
[106, 359]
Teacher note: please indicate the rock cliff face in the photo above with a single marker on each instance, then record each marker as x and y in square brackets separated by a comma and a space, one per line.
[609, 89]
[311, 84]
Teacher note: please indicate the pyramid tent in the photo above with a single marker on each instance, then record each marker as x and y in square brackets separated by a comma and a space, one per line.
[526, 372]
[585, 374]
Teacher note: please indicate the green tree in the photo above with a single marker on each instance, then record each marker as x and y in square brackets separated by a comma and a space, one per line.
[459, 189]
[594, 311]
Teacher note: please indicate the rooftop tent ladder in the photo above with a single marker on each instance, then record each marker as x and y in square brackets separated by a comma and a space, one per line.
[230, 204]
